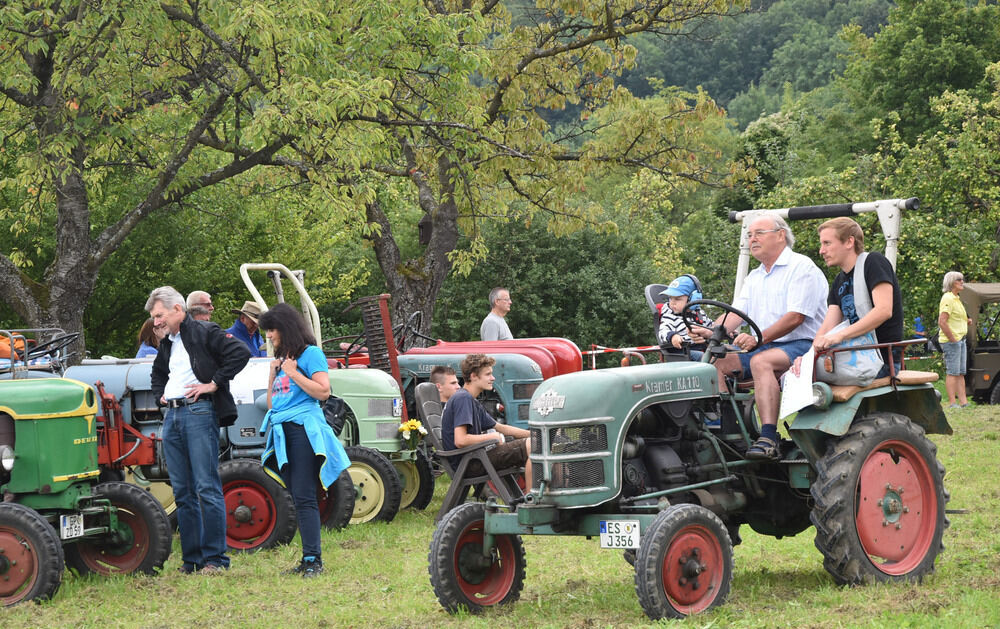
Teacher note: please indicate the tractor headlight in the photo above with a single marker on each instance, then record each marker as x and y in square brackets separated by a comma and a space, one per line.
[6, 457]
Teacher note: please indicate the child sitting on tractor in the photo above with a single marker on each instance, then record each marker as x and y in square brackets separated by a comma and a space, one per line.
[673, 335]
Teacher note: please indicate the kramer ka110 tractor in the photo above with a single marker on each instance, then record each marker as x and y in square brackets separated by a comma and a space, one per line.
[652, 460]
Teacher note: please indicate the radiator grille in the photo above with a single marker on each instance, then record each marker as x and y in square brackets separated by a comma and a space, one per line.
[379, 407]
[536, 441]
[578, 474]
[386, 430]
[577, 439]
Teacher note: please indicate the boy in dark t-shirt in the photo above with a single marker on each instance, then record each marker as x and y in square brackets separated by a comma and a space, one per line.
[465, 421]
[841, 243]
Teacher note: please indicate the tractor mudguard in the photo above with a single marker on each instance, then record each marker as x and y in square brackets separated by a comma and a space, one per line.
[920, 403]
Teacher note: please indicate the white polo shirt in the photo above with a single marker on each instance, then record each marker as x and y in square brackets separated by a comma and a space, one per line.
[794, 284]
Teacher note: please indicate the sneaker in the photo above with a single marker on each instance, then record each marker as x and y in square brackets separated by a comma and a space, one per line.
[307, 569]
[187, 568]
[954, 406]
[212, 570]
[312, 568]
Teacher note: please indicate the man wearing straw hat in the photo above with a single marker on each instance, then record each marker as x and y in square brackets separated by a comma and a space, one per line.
[245, 328]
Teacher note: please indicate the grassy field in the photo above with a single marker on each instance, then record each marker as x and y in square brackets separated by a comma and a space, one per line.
[377, 577]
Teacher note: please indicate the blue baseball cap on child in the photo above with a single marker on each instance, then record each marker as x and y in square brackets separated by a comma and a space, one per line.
[683, 286]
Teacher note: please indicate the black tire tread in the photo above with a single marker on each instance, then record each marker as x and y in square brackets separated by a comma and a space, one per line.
[47, 549]
[389, 478]
[649, 558]
[425, 493]
[143, 504]
[253, 470]
[341, 494]
[833, 495]
[440, 560]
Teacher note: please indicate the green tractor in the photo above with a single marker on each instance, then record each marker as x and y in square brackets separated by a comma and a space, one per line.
[652, 460]
[54, 511]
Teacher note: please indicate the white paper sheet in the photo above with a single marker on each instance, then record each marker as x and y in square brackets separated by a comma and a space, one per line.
[796, 393]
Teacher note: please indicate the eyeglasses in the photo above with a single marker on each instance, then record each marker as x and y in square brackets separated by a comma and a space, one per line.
[760, 232]
[204, 304]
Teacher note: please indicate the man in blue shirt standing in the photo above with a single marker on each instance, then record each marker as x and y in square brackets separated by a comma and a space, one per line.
[245, 328]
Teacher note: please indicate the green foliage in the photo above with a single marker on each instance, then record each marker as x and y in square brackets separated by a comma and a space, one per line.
[929, 46]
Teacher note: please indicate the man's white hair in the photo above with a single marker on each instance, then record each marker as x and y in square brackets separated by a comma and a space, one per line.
[166, 295]
[196, 296]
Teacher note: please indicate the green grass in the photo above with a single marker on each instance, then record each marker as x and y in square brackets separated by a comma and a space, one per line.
[377, 577]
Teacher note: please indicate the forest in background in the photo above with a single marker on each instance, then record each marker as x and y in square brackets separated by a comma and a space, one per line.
[567, 195]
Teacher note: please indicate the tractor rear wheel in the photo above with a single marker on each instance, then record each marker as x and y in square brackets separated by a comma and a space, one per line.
[139, 543]
[260, 513]
[684, 564]
[31, 559]
[879, 502]
[463, 576]
[336, 503]
[376, 485]
[418, 481]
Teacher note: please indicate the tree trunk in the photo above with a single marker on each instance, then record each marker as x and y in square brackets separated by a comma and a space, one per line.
[415, 284]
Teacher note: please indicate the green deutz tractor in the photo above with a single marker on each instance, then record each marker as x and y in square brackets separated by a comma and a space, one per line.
[54, 512]
[651, 460]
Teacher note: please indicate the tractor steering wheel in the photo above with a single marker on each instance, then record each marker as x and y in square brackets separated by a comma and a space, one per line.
[50, 347]
[402, 331]
[720, 337]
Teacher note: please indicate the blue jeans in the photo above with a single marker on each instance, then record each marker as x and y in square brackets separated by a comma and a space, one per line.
[191, 447]
[301, 475]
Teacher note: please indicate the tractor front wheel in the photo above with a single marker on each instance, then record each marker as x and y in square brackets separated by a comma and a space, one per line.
[418, 481]
[684, 564]
[260, 513]
[879, 502]
[376, 485]
[140, 542]
[336, 503]
[463, 576]
[31, 559]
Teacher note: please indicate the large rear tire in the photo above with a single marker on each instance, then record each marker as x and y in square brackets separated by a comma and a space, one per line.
[417, 477]
[376, 485]
[336, 503]
[462, 576]
[685, 563]
[31, 558]
[140, 542]
[260, 513]
[880, 502]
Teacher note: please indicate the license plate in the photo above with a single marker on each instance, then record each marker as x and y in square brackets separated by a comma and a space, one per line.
[619, 534]
[70, 526]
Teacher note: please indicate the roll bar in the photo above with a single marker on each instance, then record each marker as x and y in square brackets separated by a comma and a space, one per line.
[889, 216]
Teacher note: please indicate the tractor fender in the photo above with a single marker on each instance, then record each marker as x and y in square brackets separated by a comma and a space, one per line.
[813, 425]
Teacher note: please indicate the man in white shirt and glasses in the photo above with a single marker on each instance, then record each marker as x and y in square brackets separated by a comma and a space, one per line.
[786, 297]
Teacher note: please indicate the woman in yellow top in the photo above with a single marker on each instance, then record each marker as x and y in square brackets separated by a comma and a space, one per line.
[954, 323]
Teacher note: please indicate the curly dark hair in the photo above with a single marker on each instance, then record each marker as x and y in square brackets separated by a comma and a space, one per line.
[295, 334]
[474, 363]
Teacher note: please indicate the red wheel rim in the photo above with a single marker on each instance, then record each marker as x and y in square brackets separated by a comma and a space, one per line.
[250, 514]
[18, 578]
[484, 580]
[124, 555]
[693, 569]
[897, 509]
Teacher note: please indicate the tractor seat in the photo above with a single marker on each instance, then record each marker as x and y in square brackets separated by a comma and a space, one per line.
[843, 392]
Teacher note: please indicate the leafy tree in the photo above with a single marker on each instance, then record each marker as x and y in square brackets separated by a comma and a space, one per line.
[119, 113]
[928, 47]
